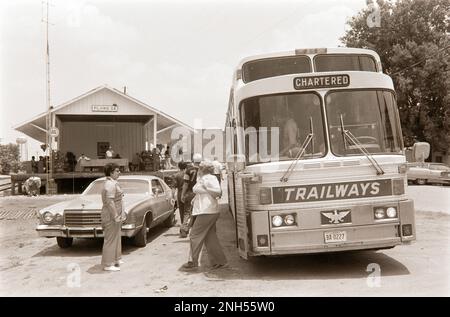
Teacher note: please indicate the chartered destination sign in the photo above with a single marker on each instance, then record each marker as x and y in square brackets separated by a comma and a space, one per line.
[105, 108]
[328, 81]
[320, 192]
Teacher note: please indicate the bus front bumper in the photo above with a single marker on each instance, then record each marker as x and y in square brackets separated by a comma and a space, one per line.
[363, 233]
[357, 238]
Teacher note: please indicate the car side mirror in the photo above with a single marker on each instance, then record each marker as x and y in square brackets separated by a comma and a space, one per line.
[236, 162]
[421, 151]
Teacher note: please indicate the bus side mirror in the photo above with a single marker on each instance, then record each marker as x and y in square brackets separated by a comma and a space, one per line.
[235, 162]
[421, 151]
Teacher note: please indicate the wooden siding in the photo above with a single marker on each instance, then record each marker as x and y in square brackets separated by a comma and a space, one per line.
[104, 97]
[126, 138]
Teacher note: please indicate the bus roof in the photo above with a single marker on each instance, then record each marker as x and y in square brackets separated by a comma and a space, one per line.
[286, 83]
[311, 52]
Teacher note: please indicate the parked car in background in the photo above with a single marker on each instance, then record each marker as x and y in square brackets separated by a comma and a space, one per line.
[147, 200]
[428, 173]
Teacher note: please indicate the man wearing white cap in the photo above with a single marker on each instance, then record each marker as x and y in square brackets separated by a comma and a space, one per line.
[190, 179]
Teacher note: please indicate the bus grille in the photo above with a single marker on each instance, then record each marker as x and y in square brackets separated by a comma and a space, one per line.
[82, 219]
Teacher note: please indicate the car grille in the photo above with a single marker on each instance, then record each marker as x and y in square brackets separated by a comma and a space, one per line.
[82, 218]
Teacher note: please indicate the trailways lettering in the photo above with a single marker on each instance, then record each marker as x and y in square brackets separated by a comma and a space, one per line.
[319, 192]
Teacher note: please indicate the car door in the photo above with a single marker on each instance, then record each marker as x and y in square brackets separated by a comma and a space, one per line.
[161, 199]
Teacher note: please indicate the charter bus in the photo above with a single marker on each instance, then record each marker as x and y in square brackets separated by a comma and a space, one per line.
[329, 172]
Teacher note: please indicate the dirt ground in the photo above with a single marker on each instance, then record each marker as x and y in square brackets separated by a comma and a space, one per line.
[33, 266]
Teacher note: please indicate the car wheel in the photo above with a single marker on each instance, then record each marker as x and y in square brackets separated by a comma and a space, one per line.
[140, 239]
[64, 243]
[170, 221]
[421, 181]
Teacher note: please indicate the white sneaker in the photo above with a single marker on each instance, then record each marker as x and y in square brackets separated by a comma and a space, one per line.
[111, 268]
[118, 263]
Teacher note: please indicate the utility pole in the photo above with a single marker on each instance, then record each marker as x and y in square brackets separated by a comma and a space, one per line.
[48, 121]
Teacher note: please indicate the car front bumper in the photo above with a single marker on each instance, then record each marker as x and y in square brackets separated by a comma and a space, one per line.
[50, 231]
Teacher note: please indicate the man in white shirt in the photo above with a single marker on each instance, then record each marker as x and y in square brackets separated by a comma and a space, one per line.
[205, 208]
[109, 153]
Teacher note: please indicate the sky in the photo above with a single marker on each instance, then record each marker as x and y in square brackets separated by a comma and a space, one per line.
[176, 56]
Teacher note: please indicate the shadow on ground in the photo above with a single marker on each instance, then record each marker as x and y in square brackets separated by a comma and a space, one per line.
[92, 247]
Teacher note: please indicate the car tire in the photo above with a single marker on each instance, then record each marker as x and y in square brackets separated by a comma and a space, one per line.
[64, 243]
[421, 181]
[170, 221]
[140, 239]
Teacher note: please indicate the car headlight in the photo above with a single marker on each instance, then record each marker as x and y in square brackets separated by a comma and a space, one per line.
[58, 219]
[277, 221]
[47, 217]
[391, 212]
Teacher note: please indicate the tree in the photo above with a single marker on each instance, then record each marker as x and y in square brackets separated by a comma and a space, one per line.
[414, 46]
[9, 158]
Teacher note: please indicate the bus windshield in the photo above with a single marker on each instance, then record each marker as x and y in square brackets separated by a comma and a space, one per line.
[288, 118]
[271, 67]
[369, 115]
[344, 62]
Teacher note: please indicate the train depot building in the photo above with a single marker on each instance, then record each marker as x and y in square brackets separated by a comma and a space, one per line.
[91, 123]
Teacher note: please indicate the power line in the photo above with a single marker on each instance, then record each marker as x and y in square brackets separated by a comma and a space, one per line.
[419, 62]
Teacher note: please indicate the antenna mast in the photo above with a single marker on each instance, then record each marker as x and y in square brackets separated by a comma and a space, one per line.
[48, 121]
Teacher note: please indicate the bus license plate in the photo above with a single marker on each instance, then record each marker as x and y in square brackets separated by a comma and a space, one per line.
[335, 236]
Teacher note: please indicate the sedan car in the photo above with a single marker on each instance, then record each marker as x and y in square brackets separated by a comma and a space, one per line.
[147, 201]
[427, 173]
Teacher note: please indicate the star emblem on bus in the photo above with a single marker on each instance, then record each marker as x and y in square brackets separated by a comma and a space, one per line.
[336, 217]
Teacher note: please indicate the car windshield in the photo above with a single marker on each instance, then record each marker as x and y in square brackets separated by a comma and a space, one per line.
[276, 126]
[129, 186]
[371, 116]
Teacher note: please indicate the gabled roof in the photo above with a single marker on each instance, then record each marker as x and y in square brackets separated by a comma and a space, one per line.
[35, 127]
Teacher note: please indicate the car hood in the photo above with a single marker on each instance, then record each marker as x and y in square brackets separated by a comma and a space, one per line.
[92, 202]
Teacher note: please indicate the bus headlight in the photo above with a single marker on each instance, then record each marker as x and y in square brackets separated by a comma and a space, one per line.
[289, 220]
[277, 221]
[47, 217]
[391, 212]
[379, 213]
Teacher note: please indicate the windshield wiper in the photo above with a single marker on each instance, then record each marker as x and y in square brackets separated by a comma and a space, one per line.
[300, 153]
[347, 135]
